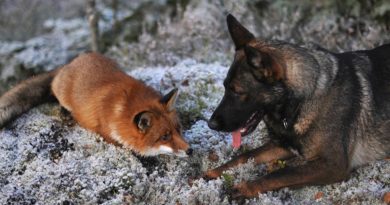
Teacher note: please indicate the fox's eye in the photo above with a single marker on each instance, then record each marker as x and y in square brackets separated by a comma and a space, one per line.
[165, 137]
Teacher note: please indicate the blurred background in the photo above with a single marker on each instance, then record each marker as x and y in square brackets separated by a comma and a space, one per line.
[39, 35]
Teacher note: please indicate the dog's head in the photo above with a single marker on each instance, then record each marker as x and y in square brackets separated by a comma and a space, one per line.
[254, 83]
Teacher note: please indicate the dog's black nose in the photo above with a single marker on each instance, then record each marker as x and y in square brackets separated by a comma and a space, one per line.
[213, 124]
[189, 151]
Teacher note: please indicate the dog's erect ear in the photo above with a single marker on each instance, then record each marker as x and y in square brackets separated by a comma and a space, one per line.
[143, 120]
[240, 35]
[263, 64]
[170, 99]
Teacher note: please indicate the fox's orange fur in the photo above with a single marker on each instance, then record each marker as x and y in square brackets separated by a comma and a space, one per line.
[120, 108]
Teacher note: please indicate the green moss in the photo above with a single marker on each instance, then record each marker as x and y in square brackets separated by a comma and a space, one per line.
[245, 149]
[228, 180]
[281, 163]
[126, 182]
[190, 106]
[51, 110]
[190, 114]
[107, 194]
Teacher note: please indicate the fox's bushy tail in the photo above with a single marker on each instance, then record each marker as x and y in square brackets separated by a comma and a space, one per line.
[25, 95]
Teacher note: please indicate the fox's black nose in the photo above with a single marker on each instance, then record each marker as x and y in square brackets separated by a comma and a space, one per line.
[213, 124]
[189, 151]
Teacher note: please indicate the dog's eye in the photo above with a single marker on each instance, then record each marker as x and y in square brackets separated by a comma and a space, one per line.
[233, 89]
[236, 89]
[236, 92]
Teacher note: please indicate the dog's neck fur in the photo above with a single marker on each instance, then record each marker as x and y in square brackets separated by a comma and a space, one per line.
[299, 73]
[294, 118]
[281, 118]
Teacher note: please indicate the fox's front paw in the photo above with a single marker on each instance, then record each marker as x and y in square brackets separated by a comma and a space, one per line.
[211, 174]
[245, 190]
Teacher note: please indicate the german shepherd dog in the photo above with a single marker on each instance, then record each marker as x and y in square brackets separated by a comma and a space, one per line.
[332, 109]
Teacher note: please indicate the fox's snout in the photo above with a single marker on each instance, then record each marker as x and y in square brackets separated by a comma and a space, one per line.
[176, 146]
[184, 153]
[183, 149]
[164, 149]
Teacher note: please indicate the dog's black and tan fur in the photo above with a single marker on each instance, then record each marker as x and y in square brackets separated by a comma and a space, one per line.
[332, 108]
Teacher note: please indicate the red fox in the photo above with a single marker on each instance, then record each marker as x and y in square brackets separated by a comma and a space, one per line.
[105, 100]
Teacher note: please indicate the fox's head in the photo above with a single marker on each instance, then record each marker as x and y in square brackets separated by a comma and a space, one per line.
[154, 129]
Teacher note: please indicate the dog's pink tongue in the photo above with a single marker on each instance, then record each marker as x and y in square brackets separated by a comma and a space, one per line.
[236, 139]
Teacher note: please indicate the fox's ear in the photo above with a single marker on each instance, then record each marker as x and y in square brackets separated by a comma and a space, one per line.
[263, 64]
[170, 99]
[143, 120]
[240, 35]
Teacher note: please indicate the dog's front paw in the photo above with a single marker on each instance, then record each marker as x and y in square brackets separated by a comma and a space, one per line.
[245, 190]
[211, 174]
